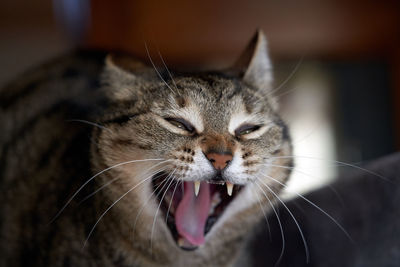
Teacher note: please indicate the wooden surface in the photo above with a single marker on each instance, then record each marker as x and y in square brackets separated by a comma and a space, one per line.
[213, 32]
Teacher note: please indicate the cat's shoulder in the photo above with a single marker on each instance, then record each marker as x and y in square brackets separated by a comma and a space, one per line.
[67, 86]
[74, 65]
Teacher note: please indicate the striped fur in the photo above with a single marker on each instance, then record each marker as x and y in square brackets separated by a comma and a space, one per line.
[60, 127]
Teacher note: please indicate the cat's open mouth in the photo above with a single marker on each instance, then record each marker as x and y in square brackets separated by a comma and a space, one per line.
[192, 208]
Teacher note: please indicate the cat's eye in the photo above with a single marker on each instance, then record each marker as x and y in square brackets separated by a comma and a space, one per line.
[246, 129]
[181, 124]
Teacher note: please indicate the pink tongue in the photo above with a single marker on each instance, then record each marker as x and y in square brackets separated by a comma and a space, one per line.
[192, 212]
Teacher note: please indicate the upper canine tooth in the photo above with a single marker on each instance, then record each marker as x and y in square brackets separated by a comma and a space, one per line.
[229, 188]
[196, 187]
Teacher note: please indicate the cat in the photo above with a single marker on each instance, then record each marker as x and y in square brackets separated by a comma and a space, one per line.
[127, 165]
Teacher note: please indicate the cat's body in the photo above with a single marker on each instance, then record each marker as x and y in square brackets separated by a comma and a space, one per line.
[44, 158]
[202, 129]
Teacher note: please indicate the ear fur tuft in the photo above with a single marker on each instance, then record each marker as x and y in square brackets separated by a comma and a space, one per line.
[254, 64]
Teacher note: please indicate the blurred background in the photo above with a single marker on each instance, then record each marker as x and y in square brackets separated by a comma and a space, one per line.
[337, 62]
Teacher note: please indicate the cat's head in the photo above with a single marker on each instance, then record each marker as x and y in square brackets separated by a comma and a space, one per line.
[200, 149]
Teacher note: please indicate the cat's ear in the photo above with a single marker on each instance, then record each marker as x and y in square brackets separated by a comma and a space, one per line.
[123, 67]
[122, 75]
[124, 63]
[254, 65]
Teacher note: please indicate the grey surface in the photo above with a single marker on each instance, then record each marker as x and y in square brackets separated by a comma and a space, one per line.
[364, 204]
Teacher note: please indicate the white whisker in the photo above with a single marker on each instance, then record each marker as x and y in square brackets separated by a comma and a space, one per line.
[112, 205]
[155, 68]
[295, 169]
[162, 183]
[94, 176]
[97, 190]
[315, 206]
[294, 219]
[265, 216]
[337, 162]
[90, 123]
[165, 65]
[296, 68]
[115, 179]
[158, 208]
[170, 202]
[272, 92]
[279, 223]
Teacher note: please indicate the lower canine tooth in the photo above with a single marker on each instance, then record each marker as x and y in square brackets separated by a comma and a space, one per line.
[196, 188]
[229, 188]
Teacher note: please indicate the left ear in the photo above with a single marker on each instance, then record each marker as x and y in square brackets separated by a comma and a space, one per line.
[124, 76]
[254, 65]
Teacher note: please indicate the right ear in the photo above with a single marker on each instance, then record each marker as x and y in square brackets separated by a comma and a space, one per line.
[123, 75]
[254, 64]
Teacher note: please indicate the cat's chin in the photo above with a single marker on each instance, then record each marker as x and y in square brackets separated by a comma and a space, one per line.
[192, 208]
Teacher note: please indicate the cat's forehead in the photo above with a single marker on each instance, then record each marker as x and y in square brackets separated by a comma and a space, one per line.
[212, 101]
[215, 89]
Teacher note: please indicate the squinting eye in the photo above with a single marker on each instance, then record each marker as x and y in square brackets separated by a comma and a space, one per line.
[246, 129]
[181, 124]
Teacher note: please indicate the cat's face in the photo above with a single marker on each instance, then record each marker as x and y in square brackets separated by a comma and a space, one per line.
[198, 147]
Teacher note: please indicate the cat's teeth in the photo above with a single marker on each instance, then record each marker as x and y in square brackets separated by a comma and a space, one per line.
[196, 187]
[181, 242]
[229, 188]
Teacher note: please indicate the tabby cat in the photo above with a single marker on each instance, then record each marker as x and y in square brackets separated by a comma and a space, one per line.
[144, 168]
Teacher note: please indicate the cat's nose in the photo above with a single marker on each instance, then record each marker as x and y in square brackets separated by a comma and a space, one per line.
[219, 160]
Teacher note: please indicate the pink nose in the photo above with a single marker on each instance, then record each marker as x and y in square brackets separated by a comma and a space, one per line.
[219, 161]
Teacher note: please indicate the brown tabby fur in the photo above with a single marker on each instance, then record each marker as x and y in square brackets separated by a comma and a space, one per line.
[46, 156]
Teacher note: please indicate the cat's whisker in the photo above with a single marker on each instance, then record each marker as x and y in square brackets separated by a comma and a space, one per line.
[307, 175]
[90, 123]
[166, 68]
[115, 179]
[98, 190]
[162, 183]
[282, 84]
[97, 174]
[294, 71]
[112, 205]
[291, 215]
[265, 216]
[286, 92]
[170, 202]
[306, 136]
[155, 68]
[171, 177]
[314, 205]
[279, 222]
[340, 163]
[289, 168]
